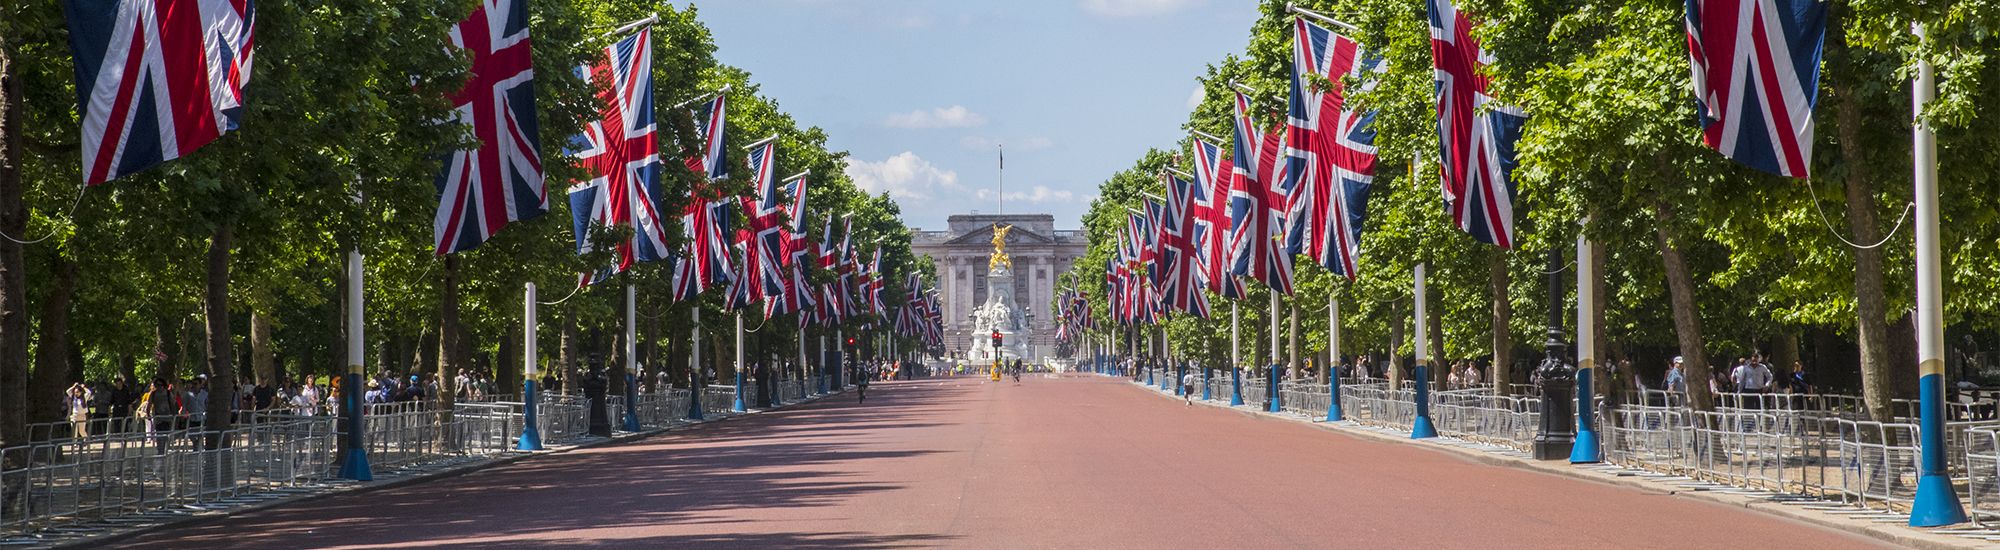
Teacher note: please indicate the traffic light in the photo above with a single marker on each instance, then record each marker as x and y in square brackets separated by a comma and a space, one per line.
[996, 339]
[850, 341]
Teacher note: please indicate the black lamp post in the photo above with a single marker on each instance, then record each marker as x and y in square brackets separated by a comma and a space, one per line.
[1558, 379]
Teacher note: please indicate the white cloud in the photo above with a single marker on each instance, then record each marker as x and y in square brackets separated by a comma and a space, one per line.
[1039, 193]
[907, 21]
[1195, 97]
[1136, 8]
[904, 175]
[956, 116]
[983, 143]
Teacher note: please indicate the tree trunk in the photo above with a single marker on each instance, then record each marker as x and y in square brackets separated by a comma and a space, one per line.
[507, 372]
[53, 368]
[13, 274]
[1503, 318]
[1293, 342]
[1396, 328]
[263, 360]
[1687, 319]
[1440, 364]
[451, 348]
[567, 354]
[1597, 288]
[1870, 306]
[215, 308]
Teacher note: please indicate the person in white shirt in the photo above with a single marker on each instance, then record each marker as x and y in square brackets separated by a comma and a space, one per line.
[1753, 377]
[1187, 386]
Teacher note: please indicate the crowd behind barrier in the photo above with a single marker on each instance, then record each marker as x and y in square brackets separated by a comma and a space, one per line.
[1818, 445]
[131, 466]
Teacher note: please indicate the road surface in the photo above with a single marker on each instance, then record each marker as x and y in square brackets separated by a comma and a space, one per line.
[1080, 462]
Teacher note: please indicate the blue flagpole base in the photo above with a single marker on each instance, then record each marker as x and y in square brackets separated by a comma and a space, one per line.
[631, 419]
[531, 437]
[356, 466]
[1936, 503]
[1236, 387]
[1333, 413]
[694, 403]
[1422, 428]
[738, 407]
[1585, 450]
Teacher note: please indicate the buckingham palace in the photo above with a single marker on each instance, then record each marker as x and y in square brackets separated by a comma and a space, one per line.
[1041, 254]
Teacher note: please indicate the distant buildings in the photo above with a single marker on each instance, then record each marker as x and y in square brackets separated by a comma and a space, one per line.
[1041, 253]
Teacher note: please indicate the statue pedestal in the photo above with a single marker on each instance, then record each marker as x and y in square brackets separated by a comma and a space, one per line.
[999, 314]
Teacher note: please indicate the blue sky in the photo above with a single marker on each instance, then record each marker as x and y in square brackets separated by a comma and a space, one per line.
[919, 92]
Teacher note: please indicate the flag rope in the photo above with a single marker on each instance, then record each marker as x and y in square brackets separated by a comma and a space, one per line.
[52, 232]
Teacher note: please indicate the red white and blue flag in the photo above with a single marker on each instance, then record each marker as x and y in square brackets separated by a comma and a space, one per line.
[482, 190]
[1756, 79]
[156, 79]
[1477, 133]
[1182, 288]
[1213, 176]
[621, 152]
[766, 235]
[798, 248]
[1333, 147]
[1257, 204]
[705, 221]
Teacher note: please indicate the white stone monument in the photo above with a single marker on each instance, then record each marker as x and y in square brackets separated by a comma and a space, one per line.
[999, 313]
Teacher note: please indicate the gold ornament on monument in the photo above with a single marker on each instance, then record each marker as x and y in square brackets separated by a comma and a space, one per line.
[1000, 258]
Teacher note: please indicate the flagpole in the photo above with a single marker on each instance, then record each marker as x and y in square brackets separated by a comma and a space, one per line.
[1001, 182]
[655, 17]
[1936, 500]
[697, 99]
[354, 466]
[631, 357]
[1294, 8]
[1333, 412]
[1206, 135]
[531, 436]
[1271, 390]
[1421, 428]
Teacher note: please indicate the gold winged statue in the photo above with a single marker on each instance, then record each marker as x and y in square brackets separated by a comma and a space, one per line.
[1000, 257]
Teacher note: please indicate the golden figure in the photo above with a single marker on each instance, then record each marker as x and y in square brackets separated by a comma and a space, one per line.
[1000, 257]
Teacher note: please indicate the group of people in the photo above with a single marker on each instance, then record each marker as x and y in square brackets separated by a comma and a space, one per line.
[1748, 374]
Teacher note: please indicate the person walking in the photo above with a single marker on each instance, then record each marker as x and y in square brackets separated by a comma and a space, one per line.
[76, 408]
[1187, 386]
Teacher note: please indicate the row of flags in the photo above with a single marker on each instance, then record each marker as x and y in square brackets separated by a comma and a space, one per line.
[159, 79]
[1302, 189]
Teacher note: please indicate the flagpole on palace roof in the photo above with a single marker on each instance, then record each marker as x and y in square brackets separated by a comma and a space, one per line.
[1294, 8]
[1001, 181]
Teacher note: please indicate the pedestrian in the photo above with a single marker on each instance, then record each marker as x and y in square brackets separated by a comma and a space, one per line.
[76, 406]
[1800, 383]
[157, 408]
[1472, 376]
[1187, 386]
[1676, 380]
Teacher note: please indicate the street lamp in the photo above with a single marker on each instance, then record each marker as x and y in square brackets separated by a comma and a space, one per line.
[1558, 430]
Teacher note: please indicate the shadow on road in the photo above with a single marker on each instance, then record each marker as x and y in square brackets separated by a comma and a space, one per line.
[633, 493]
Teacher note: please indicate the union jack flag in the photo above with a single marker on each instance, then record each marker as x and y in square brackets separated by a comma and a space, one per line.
[1182, 290]
[156, 79]
[706, 260]
[621, 151]
[1257, 203]
[481, 190]
[798, 289]
[739, 293]
[876, 280]
[1756, 79]
[710, 122]
[1477, 133]
[764, 237]
[1332, 146]
[1214, 174]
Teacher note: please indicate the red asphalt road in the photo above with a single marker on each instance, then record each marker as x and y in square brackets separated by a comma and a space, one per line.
[1046, 463]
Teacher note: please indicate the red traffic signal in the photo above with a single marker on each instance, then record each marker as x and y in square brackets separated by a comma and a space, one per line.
[850, 340]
